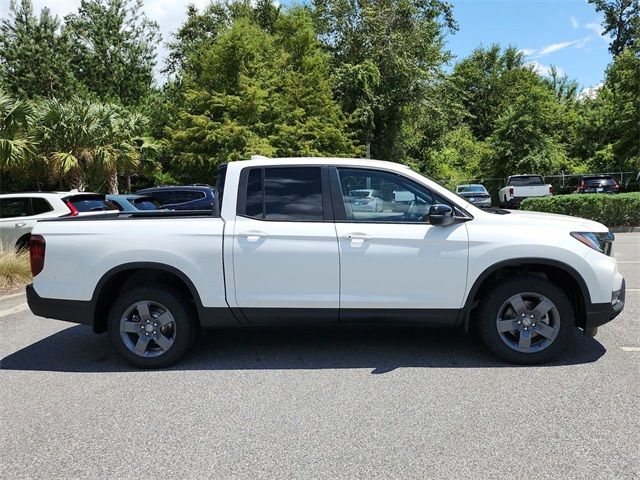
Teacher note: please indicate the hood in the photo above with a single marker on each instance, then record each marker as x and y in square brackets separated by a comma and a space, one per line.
[571, 223]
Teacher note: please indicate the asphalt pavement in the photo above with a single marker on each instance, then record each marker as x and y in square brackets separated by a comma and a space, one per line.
[322, 403]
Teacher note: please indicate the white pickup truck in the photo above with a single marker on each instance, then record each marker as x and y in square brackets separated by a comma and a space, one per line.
[284, 246]
[520, 187]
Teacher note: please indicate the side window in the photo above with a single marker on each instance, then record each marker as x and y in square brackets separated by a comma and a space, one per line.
[288, 194]
[14, 207]
[163, 196]
[377, 196]
[40, 205]
[183, 196]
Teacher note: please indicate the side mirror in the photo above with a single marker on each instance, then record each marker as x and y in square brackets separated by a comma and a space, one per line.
[441, 215]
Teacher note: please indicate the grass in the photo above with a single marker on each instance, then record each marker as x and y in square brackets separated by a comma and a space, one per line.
[14, 268]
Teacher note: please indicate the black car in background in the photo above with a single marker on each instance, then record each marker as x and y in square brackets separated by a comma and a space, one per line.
[590, 184]
[188, 197]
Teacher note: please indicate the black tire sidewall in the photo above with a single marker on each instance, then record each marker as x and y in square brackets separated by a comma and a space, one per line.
[488, 311]
[185, 319]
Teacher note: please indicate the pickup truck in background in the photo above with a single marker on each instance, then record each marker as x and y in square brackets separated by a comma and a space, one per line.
[283, 245]
[520, 187]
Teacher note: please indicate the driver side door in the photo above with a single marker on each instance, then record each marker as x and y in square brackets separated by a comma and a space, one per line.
[394, 265]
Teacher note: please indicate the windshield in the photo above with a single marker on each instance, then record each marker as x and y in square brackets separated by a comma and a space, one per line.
[599, 181]
[471, 189]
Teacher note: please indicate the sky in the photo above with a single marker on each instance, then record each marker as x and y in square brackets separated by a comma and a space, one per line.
[563, 33]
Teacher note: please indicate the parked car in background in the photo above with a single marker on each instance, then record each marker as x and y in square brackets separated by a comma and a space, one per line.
[590, 184]
[133, 202]
[19, 212]
[187, 197]
[476, 194]
[520, 187]
[365, 200]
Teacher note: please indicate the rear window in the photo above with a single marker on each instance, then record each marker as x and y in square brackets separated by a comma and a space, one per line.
[144, 204]
[90, 203]
[471, 188]
[359, 193]
[526, 181]
[599, 181]
[183, 196]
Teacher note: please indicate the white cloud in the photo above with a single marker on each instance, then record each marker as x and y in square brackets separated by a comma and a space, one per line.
[527, 51]
[574, 22]
[589, 92]
[554, 47]
[544, 70]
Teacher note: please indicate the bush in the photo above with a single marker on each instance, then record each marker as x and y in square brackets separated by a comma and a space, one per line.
[617, 210]
[14, 268]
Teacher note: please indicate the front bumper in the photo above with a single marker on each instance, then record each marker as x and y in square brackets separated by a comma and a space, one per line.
[75, 311]
[597, 314]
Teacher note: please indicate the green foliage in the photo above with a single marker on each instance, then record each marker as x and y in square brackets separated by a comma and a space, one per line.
[612, 210]
[17, 147]
[404, 40]
[621, 22]
[35, 56]
[114, 49]
[259, 93]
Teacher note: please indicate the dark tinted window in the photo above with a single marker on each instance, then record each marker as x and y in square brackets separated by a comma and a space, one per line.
[40, 205]
[254, 206]
[163, 196]
[526, 181]
[144, 204]
[14, 207]
[91, 203]
[183, 196]
[599, 180]
[289, 194]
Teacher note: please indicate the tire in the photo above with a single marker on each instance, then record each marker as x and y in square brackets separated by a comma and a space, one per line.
[166, 319]
[523, 339]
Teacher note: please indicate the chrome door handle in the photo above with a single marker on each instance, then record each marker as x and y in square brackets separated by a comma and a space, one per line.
[253, 235]
[20, 225]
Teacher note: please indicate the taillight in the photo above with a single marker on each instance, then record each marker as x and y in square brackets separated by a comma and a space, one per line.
[511, 191]
[74, 210]
[581, 186]
[36, 253]
[615, 185]
[551, 191]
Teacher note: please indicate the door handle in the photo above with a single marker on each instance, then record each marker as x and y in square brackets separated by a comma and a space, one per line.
[20, 225]
[357, 239]
[253, 235]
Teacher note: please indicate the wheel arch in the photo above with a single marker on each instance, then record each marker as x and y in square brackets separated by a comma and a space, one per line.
[136, 273]
[564, 275]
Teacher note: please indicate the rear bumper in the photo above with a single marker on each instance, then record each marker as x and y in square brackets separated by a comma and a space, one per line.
[597, 314]
[67, 310]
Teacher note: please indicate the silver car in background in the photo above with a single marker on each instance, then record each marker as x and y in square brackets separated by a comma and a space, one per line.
[476, 194]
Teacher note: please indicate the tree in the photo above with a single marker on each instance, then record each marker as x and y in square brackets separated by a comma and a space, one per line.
[404, 40]
[257, 92]
[17, 146]
[621, 22]
[114, 49]
[566, 90]
[35, 56]
[487, 82]
[528, 135]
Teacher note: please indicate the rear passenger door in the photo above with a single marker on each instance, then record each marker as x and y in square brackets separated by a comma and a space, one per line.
[285, 249]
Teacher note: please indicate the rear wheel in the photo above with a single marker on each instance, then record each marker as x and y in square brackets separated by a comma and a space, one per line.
[526, 320]
[151, 327]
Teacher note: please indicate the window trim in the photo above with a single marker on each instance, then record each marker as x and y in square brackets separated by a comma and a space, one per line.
[340, 213]
[325, 187]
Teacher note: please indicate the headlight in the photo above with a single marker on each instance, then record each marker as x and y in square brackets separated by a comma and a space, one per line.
[601, 242]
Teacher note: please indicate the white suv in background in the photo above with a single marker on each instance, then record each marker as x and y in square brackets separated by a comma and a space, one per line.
[19, 212]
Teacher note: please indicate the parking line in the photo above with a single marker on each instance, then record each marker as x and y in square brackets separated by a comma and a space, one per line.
[630, 349]
[628, 261]
[17, 309]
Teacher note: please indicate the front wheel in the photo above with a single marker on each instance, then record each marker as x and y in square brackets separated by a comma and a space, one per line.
[526, 319]
[151, 327]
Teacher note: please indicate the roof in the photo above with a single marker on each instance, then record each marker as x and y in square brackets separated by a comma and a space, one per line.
[46, 194]
[174, 187]
[354, 162]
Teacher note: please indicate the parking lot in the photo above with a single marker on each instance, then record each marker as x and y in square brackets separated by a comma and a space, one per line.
[322, 403]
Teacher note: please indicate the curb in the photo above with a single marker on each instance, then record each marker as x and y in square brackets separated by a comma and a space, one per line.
[624, 229]
[13, 300]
